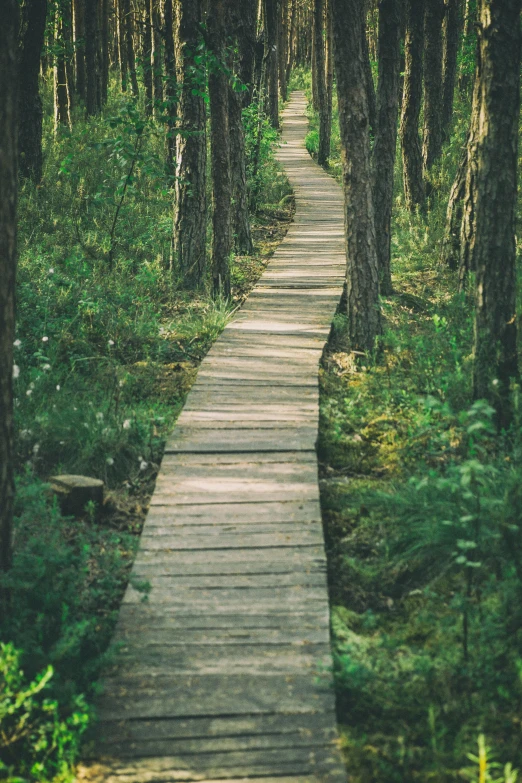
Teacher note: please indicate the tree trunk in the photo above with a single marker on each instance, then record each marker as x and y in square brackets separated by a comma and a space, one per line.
[451, 30]
[322, 98]
[329, 70]
[495, 347]
[122, 45]
[414, 193]
[157, 74]
[220, 154]
[30, 112]
[170, 86]
[67, 27]
[79, 47]
[104, 51]
[62, 116]
[362, 279]
[282, 50]
[92, 105]
[245, 23]
[383, 157]
[8, 199]
[470, 172]
[271, 19]
[147, 58]
[450, 253]
[128, 26]
[190, 214]
[368, 77]
[432, 143]
[241, 219]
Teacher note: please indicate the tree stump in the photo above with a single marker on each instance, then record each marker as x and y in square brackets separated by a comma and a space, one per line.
[75, 492]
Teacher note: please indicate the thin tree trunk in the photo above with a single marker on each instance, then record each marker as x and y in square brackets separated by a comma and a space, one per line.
[104, 50]
[122, 45]
[450, 253]
[170, 85]
[451, 35]
[79, 47]
[432, 136]
[8, 200]
[282, 52]
[470, 172]
[329, 71]
[128, 26]
[92, 105]
[271, 19]
[147, 58]
[368, 77]
[190, 214]
[413, 179]
[361, 303]
[62, 117]
[67, 29]
[322, 98]
[157, 74]
[383, 157]
[495, 346]
[241, 219]
[30, 112]
[220, 154]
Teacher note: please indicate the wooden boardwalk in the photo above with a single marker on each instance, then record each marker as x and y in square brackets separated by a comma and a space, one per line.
[224, 672]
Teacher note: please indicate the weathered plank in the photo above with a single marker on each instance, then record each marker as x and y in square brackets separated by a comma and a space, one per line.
[222, 669]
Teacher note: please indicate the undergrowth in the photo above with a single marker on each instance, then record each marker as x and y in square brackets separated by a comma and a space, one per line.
[107, 347]
[423, 522]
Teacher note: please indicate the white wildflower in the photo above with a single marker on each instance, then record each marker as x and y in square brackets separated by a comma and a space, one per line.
[111, 342]
[45, 339]
[36, 449]
[16, 371]
[46, 367]
[58, 387]
[496, 382]
[17, 343]
[29, 392]
[109, 461]
[51, 271]
[99, 416]
[143, 465]
[126, 424]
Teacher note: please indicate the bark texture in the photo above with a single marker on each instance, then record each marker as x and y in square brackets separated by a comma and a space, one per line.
[8, 197]
[411, 106]
[220, 154]
[322, 97]
[157, 70]
[383, 157]
[495, 348]
[451, 29]
[362, 278]
[30, 112]
[62, 115]
[170, 85]
[79, 46]
[147, 58]
[190, 214]
[92, 95]
[432, 141]
[368, 77]
[272, 60]
[241, 219]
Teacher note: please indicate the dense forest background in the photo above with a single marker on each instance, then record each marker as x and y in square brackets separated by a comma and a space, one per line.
[139, 202]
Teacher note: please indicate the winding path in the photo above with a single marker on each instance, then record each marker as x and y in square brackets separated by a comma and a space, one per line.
[224, 672]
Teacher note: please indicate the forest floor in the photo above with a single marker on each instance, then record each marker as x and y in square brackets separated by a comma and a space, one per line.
[422, 517]
[104, 356]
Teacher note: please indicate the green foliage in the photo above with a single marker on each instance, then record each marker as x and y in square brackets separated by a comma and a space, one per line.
[422, 510]
[32, 727]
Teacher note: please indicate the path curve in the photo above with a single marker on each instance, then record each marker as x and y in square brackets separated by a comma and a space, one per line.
[224, 673]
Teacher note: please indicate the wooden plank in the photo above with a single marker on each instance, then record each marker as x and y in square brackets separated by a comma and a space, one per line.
[223, 666]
